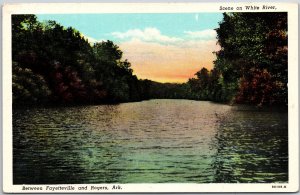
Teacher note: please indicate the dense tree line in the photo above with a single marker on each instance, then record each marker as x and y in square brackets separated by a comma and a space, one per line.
[54, 64]
[251, 66]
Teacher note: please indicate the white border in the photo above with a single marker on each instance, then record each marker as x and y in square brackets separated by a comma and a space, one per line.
[38, 8]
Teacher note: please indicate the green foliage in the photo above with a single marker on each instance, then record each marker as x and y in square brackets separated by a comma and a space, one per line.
[168, 90]
[54, 64]
[251, 66]
[254, 50]
[67, 67]
[28, 87]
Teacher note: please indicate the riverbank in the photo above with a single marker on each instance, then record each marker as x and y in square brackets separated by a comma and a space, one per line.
[265, 108]
[234, 106]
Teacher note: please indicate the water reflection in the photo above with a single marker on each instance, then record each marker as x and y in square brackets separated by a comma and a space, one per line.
[152, 141]
[57, 146]
[252, 147]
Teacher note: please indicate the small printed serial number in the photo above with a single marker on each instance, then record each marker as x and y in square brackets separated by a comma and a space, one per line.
[278, 186]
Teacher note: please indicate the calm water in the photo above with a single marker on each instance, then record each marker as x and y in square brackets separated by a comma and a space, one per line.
[149, 142]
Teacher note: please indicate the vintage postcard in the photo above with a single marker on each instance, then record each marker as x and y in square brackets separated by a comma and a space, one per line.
[150, 97]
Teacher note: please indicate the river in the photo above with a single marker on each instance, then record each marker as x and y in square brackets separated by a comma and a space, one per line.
[155, 141]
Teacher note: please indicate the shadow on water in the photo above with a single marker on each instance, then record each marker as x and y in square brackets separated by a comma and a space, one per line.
[53, 146]
[252, 147]
[157, 141]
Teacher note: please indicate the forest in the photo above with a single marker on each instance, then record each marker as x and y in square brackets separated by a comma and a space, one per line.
[53, 65]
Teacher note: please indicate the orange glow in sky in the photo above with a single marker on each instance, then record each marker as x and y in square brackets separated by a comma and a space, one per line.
[164, 47]
[169, 62]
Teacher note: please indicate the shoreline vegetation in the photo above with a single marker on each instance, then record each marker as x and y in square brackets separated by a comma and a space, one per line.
[54, 65]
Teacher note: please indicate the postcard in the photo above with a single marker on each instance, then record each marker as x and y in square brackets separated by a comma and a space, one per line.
[150, 97]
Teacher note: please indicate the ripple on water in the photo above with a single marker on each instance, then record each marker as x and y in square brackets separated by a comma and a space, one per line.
[155, 141]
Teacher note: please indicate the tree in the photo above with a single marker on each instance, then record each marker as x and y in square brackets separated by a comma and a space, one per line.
[253, 45]
[28, 88]
[72, 71]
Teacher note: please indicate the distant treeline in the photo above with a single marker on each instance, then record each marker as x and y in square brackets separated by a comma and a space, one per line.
[57, 65]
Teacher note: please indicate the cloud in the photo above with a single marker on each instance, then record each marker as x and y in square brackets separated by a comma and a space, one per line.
[169, 62]
[147, 35]
[165, 58]
[204, 34]
[154, 35]
[92, 40]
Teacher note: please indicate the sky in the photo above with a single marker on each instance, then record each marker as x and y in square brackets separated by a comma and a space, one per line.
[161, 47]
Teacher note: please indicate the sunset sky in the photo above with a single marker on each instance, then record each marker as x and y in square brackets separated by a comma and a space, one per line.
[161, 47]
